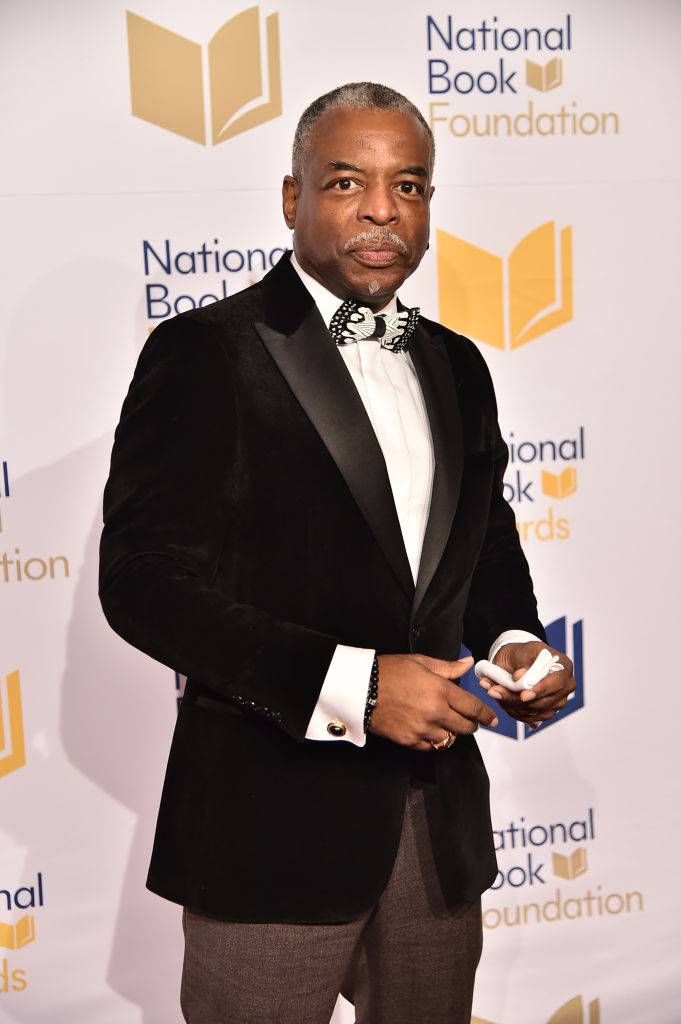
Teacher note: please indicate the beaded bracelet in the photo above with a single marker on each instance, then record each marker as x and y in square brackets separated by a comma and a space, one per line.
[372, 694]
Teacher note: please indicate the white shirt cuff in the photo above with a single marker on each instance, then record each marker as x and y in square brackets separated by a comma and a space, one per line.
[343, 696]
[511, 636]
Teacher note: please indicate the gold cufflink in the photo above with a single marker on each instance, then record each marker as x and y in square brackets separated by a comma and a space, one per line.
[336, 728]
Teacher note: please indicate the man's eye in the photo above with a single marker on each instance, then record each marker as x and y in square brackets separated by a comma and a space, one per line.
[343, 184]
[409, 188]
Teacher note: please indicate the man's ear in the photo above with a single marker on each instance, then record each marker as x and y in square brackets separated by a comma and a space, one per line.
[430, 196]
[290, 190]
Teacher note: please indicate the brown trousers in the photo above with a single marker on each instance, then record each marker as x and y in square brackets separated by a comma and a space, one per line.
[410, 959]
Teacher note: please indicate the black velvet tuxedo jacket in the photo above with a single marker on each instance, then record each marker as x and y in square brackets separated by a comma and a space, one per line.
[249, 529]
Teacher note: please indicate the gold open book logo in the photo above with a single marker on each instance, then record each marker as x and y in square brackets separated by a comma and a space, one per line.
[559, 485]
[572, 1012]
[506, 303]
[572, 865]
[14, 936]
[167, 77]
[12, 749]
[544, 76]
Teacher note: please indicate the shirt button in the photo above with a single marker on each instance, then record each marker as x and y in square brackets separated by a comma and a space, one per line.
[336, 728]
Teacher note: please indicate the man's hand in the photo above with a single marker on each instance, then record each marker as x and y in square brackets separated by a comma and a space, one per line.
[417, 701]
[543, 700]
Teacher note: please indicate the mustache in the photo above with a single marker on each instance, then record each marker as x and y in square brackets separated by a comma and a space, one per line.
[376, 235]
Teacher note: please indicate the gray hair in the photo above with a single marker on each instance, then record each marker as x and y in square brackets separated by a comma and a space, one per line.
[353, 96]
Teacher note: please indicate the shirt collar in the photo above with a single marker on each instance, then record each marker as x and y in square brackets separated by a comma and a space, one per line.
[327, 302]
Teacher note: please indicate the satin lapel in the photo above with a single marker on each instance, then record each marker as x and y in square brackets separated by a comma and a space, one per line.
[438, 385]
[314, 370]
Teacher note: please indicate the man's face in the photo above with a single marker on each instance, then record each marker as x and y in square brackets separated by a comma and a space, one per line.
[360, 216]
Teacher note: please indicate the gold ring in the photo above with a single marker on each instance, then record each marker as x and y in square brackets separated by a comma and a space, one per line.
[444, 744]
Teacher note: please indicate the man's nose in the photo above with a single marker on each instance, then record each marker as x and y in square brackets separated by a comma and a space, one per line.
[378, 206]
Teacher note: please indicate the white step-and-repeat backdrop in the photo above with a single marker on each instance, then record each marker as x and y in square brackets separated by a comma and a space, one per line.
[142, 157]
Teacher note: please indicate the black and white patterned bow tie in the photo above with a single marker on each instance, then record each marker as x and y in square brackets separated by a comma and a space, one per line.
[352, 322]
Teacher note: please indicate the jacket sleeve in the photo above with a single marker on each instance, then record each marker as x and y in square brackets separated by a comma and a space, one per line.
[167, 511]
[501, 594]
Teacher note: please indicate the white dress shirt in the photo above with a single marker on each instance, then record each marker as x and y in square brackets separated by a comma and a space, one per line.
[389, 388]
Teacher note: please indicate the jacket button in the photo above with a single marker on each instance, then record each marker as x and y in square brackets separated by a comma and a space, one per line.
[415, 632]
[336, 728]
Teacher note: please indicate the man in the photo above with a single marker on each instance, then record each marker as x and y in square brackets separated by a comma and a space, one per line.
[305, 517]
